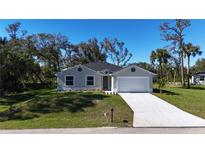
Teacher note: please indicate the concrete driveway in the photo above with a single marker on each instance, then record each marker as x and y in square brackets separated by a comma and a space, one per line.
[151, 111]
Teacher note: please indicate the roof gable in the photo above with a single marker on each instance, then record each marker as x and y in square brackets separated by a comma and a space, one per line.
[141, 69]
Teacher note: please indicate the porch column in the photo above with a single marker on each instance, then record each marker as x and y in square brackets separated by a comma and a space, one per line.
[192, 80]
[112, 84]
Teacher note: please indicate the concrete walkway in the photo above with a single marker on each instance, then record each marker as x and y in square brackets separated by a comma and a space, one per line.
[151, 111]
[107, 130]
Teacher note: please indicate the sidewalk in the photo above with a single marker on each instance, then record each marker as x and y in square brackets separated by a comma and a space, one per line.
[108, 130]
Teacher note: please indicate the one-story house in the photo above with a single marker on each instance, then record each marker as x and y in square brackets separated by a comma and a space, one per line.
[198, 78]
[107, 77]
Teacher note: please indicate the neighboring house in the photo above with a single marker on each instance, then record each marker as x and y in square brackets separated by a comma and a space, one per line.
[198, 78]
[107, 77]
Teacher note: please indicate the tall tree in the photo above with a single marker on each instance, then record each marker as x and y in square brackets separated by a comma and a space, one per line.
[49, 48]
[175, 33]
[13, 29]
[116, 51]
[161, 56]
[16, 52]
[91, 51]
[3, 70]
[190, 50]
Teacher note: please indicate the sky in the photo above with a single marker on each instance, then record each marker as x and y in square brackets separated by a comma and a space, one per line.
[140, 36]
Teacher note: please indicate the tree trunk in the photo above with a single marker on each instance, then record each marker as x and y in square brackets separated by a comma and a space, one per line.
[38, 77]
[188, 74]
[182, 67]
[32, 77]
[161, 74]
[22, 82]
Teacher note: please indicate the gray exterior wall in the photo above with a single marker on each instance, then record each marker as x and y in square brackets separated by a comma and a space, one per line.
[138, 73]
[79, 79]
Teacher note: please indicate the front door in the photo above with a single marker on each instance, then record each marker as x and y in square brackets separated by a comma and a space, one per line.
[106, 83]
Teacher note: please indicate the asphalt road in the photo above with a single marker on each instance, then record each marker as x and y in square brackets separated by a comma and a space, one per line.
[108, 130]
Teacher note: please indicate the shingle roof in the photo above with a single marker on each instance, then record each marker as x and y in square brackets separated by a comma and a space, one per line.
[97, 66]
[199, 73]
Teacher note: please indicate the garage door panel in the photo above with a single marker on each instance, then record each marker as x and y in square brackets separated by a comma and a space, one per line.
[133, 84]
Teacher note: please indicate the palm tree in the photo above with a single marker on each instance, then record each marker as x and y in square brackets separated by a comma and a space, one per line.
[161, 56]
[190, 50]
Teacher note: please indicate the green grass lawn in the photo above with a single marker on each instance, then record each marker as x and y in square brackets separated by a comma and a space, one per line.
[48, 109]
[190, 100]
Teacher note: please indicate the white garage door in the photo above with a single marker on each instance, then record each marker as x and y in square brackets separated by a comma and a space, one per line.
[133, 84]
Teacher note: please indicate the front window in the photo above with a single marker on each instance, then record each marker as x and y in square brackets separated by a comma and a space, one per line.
[90, 80]
[69, 80]
[202, 78]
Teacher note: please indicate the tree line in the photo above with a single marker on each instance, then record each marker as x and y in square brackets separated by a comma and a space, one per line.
[31, 61]
[170, 59]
